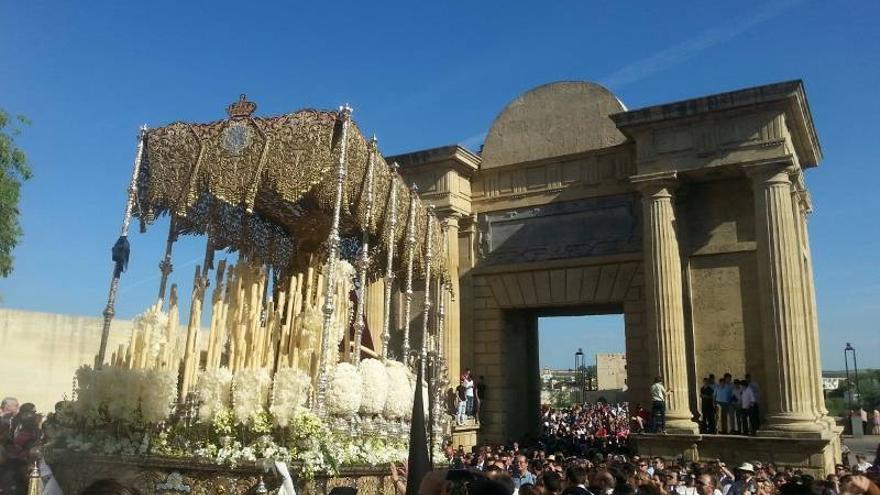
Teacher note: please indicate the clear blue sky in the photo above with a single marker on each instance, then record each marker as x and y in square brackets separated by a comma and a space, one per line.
[419, 74]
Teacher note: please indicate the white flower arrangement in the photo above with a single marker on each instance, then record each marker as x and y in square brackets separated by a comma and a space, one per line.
[125, 395]
[86, 392]
[158, 392]
[120, 391]
[152, 323]
[250, 394]
[344, 395]
[375, 386]
[289, 392]
[400, 392]
[214, 391]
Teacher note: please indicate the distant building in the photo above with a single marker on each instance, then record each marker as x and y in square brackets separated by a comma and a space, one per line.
[611, 371]
[833, 383]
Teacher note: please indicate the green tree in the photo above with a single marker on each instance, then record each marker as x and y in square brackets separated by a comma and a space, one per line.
[561, 398]
[13, 171]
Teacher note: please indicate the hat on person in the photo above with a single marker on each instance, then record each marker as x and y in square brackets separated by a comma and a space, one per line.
[747, 467]
[551, 458]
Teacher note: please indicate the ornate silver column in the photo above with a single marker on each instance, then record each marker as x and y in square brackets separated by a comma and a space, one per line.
[410, 241]
[332, 254]
[165, 266]
[426, 307]
[442, 294]
[121, 249]
[364, 261]
[389, 264]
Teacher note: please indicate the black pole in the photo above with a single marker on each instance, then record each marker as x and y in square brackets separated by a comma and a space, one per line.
[846, 366]
[856, 368]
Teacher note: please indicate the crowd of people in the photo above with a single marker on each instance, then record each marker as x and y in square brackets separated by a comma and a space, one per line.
[729, 406]
[20, 439]
[581, 450]
[509, 470]
[588, 428]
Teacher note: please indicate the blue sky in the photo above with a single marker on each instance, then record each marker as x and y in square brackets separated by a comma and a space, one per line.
[418, 74]
[559, 337]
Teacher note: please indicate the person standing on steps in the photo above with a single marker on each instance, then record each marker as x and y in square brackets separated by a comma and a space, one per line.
[658, 405]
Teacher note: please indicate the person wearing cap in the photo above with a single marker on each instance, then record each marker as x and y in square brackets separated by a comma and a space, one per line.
[862, 465]
[744, 482]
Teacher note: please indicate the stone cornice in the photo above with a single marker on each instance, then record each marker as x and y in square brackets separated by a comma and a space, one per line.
[463, 159]
[790, 94]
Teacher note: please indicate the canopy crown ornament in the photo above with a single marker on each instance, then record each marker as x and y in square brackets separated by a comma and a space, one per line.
[241, 109]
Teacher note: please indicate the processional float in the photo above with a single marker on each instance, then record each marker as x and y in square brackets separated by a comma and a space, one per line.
[314, 214]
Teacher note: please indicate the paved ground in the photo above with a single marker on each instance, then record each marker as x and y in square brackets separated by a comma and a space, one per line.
[866, 445]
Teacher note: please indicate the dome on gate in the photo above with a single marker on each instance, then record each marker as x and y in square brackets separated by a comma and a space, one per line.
[555, 119]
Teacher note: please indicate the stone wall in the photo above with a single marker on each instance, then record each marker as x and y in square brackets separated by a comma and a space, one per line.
[46, 349]
[43, 350]
[611, 371]
[717, 231]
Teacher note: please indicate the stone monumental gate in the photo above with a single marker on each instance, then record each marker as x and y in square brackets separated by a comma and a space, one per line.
[689, 218]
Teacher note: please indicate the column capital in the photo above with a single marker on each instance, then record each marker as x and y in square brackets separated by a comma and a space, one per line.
[451, 217]
[770, 173]
[656, 184]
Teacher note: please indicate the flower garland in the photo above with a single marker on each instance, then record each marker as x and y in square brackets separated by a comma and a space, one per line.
[289, 393]
[344, 396]
[400, 392]
[375, 386]
[214, 391]
[250, 393]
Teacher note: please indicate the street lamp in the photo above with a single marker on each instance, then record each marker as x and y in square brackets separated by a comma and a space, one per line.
[579, 373]
[853, 420]
[849, 348]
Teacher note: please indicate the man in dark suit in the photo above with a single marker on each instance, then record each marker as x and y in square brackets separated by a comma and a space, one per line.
[576, 481]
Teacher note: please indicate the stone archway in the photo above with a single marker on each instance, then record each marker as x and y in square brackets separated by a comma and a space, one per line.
[689, 218]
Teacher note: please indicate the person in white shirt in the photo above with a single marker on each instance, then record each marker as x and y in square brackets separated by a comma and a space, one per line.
[469, 393]
[658, 405]
[737, 408]
[752, 384]
[748, 424]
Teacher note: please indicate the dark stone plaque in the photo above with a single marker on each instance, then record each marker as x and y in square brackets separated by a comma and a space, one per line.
[571, 229]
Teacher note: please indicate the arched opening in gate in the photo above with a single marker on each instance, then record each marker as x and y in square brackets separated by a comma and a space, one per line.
[581, 359]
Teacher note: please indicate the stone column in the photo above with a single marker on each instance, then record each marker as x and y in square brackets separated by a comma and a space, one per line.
[800, 208]
[452, 332]
[787, 392]
[663, 288]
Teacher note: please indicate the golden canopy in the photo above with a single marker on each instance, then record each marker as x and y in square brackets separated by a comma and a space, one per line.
[265, 186]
